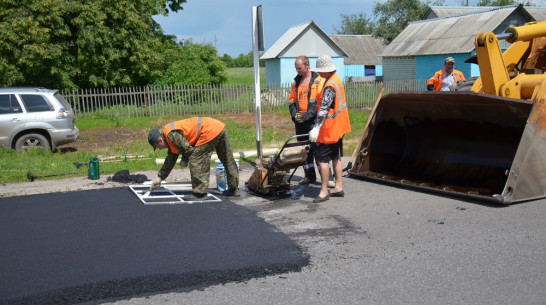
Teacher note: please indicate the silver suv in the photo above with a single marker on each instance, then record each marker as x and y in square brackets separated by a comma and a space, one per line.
[35, 117]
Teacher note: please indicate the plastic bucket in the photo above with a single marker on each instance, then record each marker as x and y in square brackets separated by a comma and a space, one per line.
[221, 183]
[221, 178]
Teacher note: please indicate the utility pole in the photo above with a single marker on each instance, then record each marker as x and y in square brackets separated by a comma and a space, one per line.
[257, 45]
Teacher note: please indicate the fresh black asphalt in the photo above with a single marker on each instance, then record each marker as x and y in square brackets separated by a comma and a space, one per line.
[66, 248]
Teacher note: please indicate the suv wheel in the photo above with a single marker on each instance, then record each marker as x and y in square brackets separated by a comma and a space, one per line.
[32, 140]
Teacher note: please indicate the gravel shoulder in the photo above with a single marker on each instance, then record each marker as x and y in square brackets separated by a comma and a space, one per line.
[44, 186]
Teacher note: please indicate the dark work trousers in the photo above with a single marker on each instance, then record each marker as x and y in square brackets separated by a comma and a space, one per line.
[309, 167]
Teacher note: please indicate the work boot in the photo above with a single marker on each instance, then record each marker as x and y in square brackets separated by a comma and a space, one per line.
[198, 195]
[306, 181]
[231, 193]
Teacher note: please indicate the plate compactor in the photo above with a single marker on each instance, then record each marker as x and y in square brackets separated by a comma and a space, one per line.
[272, 177]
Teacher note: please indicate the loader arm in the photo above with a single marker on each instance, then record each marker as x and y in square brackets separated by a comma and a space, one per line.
[518, 72]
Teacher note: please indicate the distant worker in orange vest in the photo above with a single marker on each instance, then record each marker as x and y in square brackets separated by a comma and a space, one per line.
[195, 139]
[447, 78]
[331, 124]
[302, 104]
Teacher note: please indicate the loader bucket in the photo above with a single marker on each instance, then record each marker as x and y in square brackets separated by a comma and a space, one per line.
[459, 143]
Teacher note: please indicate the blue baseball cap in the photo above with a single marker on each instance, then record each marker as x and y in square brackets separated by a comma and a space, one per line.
[153, 136]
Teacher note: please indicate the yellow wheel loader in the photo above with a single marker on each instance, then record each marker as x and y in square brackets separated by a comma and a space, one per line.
[488, 143]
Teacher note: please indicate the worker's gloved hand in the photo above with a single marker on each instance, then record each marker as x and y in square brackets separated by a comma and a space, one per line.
[155, 184]
[313, 135]
[183, 162]
[298, 118]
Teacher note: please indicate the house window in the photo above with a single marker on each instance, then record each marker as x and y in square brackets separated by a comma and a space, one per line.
[369, 70]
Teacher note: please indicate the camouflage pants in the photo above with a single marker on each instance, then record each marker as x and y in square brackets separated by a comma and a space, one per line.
[199, 163]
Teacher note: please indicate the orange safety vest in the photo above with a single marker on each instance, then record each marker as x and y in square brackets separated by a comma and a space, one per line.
[337, 123]
[197, 130]
[314, 90]
[438, 78]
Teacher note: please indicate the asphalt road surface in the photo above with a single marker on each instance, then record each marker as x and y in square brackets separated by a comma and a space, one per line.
[379, 244]
[90, 245]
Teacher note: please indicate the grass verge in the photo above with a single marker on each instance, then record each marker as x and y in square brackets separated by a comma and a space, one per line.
[123, 145]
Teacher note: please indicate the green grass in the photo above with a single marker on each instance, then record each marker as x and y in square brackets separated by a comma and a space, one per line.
[138, 156]
[245, 76]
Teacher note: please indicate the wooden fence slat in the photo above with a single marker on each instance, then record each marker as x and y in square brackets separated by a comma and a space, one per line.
[189, 100]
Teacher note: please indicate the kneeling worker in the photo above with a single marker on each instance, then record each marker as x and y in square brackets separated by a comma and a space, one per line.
[195, 139]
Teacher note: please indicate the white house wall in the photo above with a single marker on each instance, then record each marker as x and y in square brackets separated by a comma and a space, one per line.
[306, 39]
[311, 44]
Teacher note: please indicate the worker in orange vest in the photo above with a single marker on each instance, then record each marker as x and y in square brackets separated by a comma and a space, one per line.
[302, 104]
[331, 124]
[195, 139]
[447, 78]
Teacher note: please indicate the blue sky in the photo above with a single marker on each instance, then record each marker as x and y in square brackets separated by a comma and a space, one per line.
[227, 24]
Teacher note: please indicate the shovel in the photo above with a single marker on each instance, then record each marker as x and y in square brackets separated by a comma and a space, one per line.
[31, 177]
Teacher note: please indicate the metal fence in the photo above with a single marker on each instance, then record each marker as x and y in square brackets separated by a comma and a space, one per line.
[209, 99]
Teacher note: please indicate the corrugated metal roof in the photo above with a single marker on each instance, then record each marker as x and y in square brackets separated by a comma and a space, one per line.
[539, 13]
[292, 35]
[445, 11]
[449, 35]
[362, 49]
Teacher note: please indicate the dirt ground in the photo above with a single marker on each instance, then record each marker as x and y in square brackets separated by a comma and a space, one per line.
[96, 139]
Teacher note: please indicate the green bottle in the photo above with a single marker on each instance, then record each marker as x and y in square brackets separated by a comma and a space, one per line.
[94, 172]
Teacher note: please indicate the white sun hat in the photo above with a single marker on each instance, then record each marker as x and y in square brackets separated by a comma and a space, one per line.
[325, 64]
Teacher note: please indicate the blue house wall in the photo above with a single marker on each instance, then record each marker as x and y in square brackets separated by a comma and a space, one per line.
[361, 71]
[355, 71]
[272, 72]
[427, 65]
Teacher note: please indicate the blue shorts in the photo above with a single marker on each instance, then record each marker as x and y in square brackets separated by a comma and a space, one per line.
[327, 152]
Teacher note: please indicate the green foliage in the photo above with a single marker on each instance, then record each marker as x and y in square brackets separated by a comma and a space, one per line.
[242, 61]
[394, 15]
[494, 2]
[503, 2]
[390, 18]
[73, 44]
[355, 24]
[191, 63]
[174, 5]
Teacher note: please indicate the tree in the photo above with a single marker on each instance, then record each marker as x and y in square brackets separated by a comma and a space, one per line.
[355, 24]
[191, 63]
[394, 15]
[241, 61]
[78, 43]
[503, 3]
